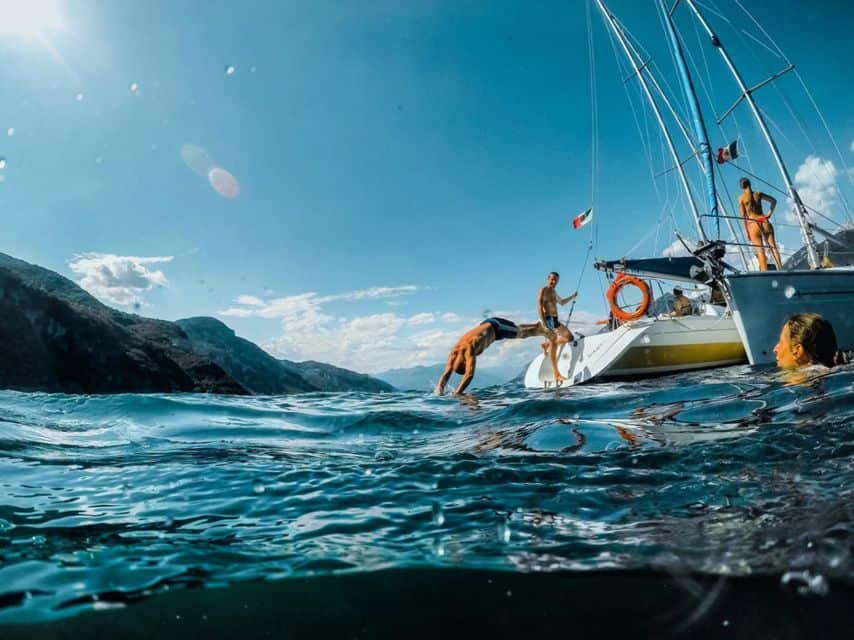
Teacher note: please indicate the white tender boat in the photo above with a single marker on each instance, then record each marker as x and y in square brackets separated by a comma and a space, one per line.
[645, 347]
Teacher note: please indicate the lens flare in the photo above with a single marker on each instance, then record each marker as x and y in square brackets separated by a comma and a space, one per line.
[197, 159]
[28, 18]
[224, 183]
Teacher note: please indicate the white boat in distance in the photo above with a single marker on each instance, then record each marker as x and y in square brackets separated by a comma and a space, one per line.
[646, 347]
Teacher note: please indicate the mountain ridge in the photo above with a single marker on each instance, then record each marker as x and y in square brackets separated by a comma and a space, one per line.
[56, 337]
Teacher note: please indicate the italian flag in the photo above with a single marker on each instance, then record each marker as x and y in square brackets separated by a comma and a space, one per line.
[582, 219]
[728, 153]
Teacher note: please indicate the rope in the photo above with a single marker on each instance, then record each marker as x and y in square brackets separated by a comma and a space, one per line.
[578, 285]
[780, 131]
[644, 142]
[594, 111]
[785, 58]
[785, 193]
[702, 44]
[776, 223]
[646, 63]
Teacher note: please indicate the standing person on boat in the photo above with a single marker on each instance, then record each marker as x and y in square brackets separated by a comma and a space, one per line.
[464, 355]
[547, 302]
[759, 231]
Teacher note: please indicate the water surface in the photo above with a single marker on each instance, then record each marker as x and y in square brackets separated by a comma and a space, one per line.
[106, 500]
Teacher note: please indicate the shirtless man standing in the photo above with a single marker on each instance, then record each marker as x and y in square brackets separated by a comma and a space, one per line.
[547, 302]
[473, 343]
[756, 225]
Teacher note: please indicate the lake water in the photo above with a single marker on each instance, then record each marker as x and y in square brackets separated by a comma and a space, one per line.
[734, 475]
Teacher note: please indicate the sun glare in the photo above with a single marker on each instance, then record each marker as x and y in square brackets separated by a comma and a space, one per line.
[29, 18]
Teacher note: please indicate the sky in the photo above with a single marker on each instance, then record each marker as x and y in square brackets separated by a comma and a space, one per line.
[361, 182]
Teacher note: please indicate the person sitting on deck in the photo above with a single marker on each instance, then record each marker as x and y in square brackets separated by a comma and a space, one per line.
[681, 304]
[474, 342]
[759, 231]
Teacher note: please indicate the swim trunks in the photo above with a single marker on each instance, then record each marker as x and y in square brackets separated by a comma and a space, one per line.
[503, 328]
[552, 322]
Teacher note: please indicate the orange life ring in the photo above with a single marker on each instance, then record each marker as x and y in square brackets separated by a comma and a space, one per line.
[616, 286]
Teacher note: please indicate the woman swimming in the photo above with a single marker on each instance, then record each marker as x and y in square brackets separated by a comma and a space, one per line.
[806, 339]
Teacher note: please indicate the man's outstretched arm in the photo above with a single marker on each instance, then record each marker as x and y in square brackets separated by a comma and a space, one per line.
[565, 300]
[468, 375]
[446, 374]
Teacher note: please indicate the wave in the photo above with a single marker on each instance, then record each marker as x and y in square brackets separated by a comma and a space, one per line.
[737, 472]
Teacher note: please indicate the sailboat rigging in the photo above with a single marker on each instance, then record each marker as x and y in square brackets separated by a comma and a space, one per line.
[641, 345]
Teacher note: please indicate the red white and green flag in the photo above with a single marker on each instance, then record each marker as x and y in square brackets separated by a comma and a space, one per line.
[729, 152]
[582, 218]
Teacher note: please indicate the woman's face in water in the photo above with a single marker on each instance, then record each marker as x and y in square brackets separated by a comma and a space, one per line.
[789, 356]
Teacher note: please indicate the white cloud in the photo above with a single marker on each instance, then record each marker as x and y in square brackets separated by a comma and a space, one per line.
[815, 181]
[250, 301]
[852, 146]
[376, 292]
[118, 279]
[421, 318]
[675, 250]
[365, 343]
[374, 342]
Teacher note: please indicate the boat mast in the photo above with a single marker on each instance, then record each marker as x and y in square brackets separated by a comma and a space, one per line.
[676, 160]
[746, 94]
[687, 136]
[703, 148]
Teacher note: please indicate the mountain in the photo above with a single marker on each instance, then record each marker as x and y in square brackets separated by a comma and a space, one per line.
[331, 378]
[245, 361]
[840, 251]
[260, 372]
[56, 337]
[424, 378]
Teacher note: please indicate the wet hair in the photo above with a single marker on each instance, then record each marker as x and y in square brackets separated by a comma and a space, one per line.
[554, 273]
[816, 336]
[744, 183]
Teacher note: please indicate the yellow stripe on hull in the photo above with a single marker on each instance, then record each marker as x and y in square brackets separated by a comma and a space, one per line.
[683, 355]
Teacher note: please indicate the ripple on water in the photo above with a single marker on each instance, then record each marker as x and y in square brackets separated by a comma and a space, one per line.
[110, 498]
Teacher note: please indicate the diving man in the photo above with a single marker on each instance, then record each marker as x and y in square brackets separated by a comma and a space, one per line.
[464, 354]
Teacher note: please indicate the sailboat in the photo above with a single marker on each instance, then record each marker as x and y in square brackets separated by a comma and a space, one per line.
[644, 345]
[759, 301]
[762, 301]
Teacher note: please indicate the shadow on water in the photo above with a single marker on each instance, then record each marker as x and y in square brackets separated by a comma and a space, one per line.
[702, 490]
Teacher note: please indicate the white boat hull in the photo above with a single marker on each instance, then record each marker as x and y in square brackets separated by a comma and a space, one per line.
[762, 302]
[645, 347]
